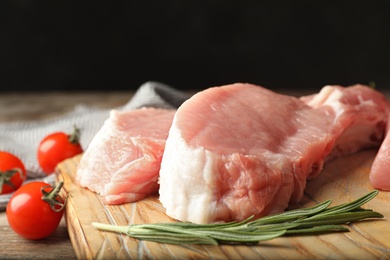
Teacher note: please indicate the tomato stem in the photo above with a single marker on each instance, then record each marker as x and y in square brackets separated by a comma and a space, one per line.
[5, 177]
[74, 138]
[53, 198]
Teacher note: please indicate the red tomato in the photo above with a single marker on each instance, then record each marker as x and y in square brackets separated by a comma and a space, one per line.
[57, 147]
[12, 172]
[31, 216]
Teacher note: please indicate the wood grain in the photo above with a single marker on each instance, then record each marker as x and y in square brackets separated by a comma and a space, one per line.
[56, 246]
[342, 180]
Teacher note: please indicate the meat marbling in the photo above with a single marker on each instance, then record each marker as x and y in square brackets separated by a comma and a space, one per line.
[122, 161]
[241, 150]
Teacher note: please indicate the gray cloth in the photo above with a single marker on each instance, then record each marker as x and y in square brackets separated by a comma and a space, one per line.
[22, 138]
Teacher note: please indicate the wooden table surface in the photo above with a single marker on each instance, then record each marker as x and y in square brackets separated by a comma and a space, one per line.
[37, 106]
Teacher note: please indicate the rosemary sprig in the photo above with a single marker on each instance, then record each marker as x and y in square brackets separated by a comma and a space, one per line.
[313, 220]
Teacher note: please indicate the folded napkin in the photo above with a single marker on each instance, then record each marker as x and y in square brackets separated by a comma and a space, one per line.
[22, 138]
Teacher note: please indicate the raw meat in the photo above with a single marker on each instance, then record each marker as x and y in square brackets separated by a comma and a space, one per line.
[241, 150]
[123, 160]
[380, 170]
[349, 141]
[356, 111]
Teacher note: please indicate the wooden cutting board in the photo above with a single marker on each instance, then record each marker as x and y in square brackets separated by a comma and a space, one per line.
[342, 180]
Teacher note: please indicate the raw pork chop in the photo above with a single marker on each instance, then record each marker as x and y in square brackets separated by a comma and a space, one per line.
[349, 141]
[123, 159]
[356, 109]
[241, 150]
[380, 170]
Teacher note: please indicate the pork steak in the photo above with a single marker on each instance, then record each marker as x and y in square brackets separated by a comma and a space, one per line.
[122, 161]
[240, 150]
[380, 170]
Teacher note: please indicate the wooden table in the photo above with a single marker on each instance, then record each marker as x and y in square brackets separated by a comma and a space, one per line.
[37, 106]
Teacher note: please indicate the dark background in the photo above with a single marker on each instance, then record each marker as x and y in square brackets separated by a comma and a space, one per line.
[118, 45]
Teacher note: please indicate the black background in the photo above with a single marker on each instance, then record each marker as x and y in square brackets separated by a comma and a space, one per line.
[118, 45]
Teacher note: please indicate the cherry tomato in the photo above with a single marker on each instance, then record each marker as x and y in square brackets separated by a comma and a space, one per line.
[12, 172]
[35, 210]
[57, 147]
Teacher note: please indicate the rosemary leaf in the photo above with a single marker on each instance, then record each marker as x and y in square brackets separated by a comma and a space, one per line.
[170, 238]
[339, 218]
[314, 220]
[291, 214]
[352, 205]
[317, 229]
[240, 236]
